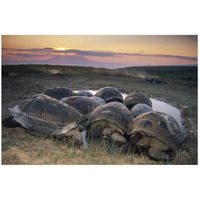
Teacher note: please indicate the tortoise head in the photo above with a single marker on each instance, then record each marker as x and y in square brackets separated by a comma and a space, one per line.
[75, 135]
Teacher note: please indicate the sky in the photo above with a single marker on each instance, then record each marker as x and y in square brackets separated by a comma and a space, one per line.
[107, 51]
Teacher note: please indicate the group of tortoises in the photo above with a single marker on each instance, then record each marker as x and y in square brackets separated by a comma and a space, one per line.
[131, 122]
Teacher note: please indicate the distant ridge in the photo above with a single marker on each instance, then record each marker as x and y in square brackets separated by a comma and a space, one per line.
[149, 67]
[165, 66]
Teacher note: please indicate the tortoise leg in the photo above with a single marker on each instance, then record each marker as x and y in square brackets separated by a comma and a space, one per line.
[118, 138]
[156, 144]
[158, 150]
[144, 143]
[83, 135]
[135, 138]
[131, 145]
[157, 154]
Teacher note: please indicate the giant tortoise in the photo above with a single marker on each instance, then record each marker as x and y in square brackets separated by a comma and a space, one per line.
[140, 108]
[109, 94]
[156, 134]
[134, 98]
[59, 93]
[84, 93]
[85, 105]
[98, 100]
[110, 121]
[44, 115]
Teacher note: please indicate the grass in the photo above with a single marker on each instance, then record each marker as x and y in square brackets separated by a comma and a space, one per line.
[20, 82]
[188, 73]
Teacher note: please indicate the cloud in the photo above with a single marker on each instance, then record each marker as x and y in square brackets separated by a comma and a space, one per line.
[168, 56]
[87, 53]
[48, 48]
[76, 51]
[140, 51]
[47, 51]
[27, 54]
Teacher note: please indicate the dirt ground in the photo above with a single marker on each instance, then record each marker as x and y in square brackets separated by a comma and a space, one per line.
[19, 147]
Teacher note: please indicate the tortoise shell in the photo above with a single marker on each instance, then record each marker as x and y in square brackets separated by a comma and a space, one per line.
[84, 93]
[42, 114]
[140, 108]
[135, 98]
[84, 105]
[110, 115]
[109, 94]
[59, 93]
[158, 132]
[98, 100]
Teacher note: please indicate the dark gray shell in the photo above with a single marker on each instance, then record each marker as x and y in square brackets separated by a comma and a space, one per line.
[84, 93]
[42, 114]
[118, 104]
[114, 114]
[84, 105]
[59, 93]
[135, 98]
[140, 108]
[109, 94]
[98, 100]
[157, 125]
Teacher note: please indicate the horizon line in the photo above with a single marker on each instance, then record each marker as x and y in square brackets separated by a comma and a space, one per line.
[192, 65]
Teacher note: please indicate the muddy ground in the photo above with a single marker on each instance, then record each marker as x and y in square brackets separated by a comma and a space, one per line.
[19, 147]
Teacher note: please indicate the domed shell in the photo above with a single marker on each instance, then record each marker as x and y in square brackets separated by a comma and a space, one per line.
[98, 100]
[109, 94]
[114, 114]
[138, 109]
[42, 114]
[135, 98]
[59, 93]
[84, 93]
[84, 105]
[157, 125]
[118, 104]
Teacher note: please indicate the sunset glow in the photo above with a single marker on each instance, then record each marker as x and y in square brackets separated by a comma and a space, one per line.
[61, 48]
[111, 51]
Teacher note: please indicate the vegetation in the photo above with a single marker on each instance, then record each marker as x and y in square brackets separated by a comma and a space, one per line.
[22, 81]
[170, 72]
